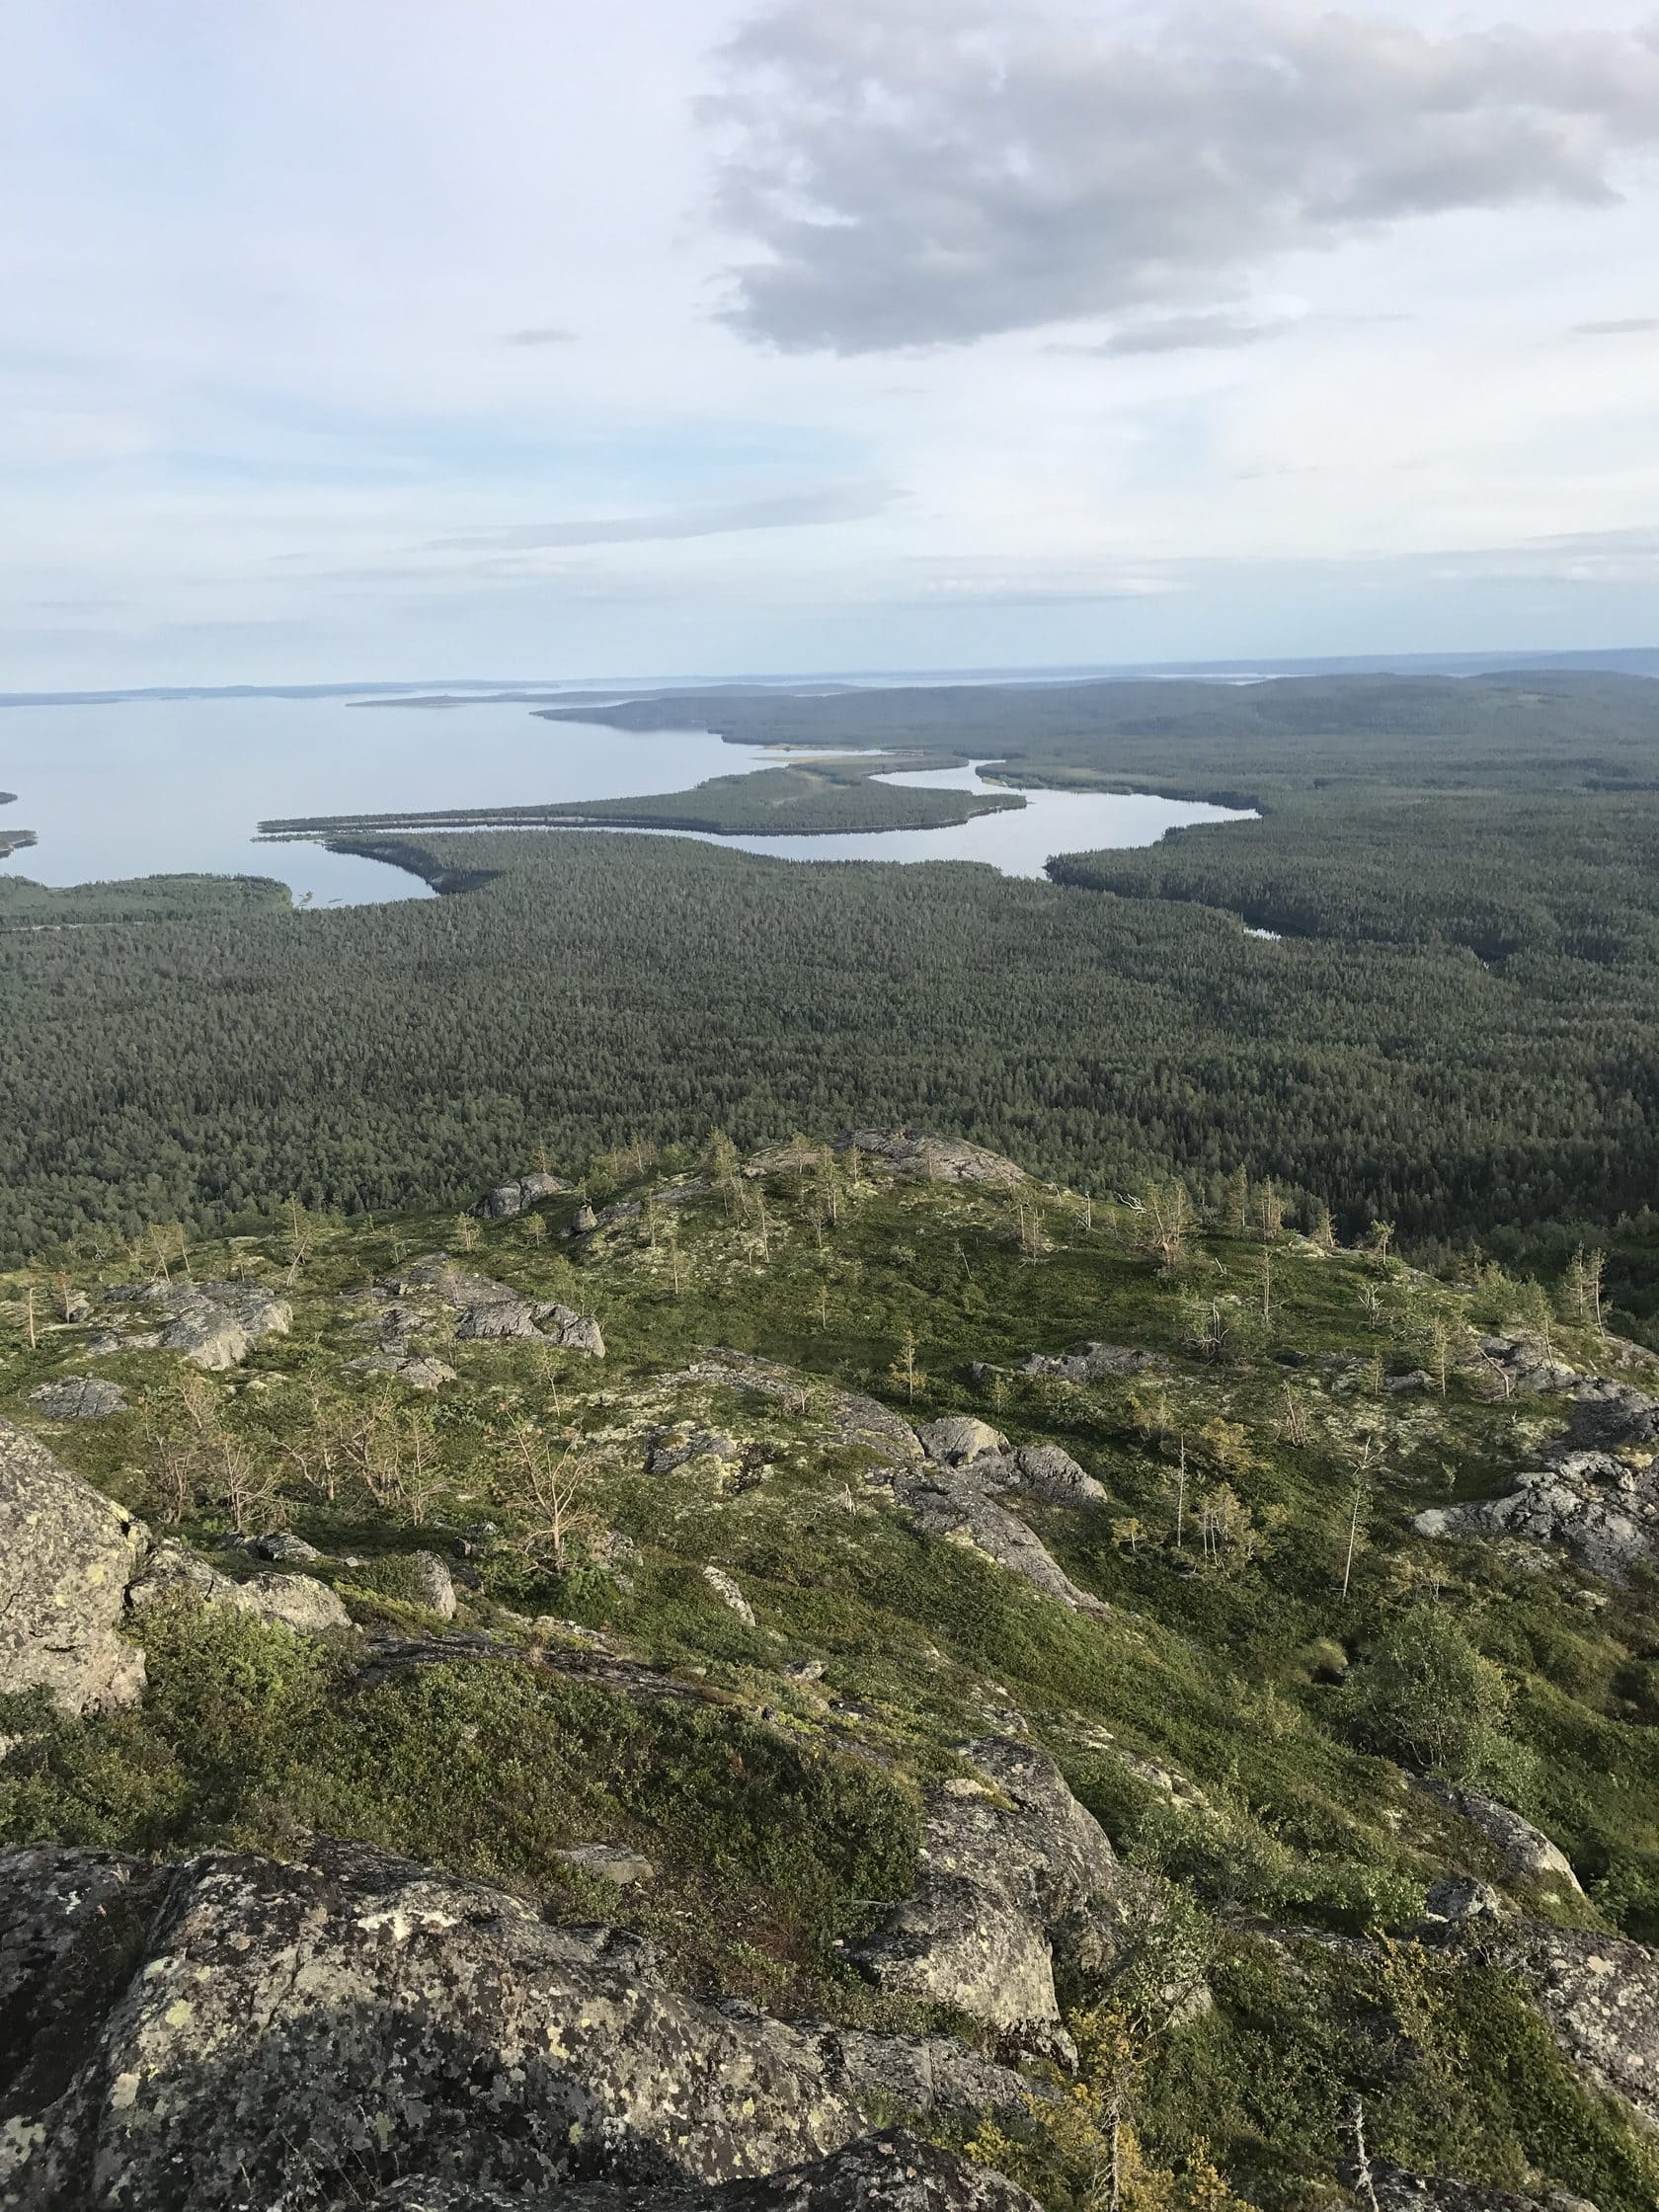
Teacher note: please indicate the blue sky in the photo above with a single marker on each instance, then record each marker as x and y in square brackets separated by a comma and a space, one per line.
[473, 337]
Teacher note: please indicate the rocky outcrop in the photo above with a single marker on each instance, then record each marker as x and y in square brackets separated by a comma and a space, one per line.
[79, 1397]
[852, 1421]
[217, 1324]
[1095, 1363]
[66, 1557]
[911, 1155]
[958, 1437]
[1608, 1415]
[299, 1601]
[1521, 1366]
[432, 1584]
[1602, 1507]
[1392, 2189]
[916, 1157]
[957, 1504]
[508, 1200]
[888, 2173]
[1599, 1994]
[1528, 1854]
[1010, 1866]
[1038, 1471]
[672, 1449]
[232, 2031]
[1604, 1510]
[490, 1309]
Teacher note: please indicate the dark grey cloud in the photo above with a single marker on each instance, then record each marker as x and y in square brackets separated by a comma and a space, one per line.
[1620, 326]
[926, 171]
[782, 511]
[543, 334]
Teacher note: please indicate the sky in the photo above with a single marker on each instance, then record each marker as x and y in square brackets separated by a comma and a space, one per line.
[419, 339]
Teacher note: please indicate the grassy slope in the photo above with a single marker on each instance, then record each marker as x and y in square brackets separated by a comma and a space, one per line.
[777, 1810]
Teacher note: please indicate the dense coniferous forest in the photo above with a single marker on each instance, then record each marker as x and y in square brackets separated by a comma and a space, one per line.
[1456, 1031]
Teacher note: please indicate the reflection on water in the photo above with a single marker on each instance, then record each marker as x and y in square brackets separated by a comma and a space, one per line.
[156, 787]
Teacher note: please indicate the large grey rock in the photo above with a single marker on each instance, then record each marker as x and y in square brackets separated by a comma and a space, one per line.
[66, 1557]
[1604, 1510]
[233, 2032]
[1008, 1870]
[217, 1324]
[1607, 1414]
[435, 1586]
[1528, 1854]
[891, 2172]
[490, 1309]
[957, 1438]
[299, 1601]
[852, 1421]
[1095, 1363]
[79, 1397]
[1600, 1996]
[508, 1200]
[953, 1503]
[1038, 1470]
[1523, 1366]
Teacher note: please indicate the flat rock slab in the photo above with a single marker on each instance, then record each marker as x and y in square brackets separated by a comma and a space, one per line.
[79, 1397]
[66, 1557]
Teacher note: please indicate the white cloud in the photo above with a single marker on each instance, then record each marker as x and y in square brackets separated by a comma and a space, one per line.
[924, 172]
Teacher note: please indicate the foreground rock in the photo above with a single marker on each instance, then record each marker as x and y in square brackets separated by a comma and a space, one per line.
[1599, 1994]
[888, 2173]
[66, 1557]
[508, 1200]
[79, 1397]
[1010, 1868]
[1393, 2189]
[1601, 1506]
[215, 1325]
[233, 2032]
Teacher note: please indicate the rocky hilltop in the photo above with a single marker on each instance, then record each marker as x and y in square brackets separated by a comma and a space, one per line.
[850, 1677]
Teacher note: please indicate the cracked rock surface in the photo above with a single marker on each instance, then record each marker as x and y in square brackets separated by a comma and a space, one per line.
[232, 2031]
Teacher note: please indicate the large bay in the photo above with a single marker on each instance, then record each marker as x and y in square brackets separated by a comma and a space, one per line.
[165, 786]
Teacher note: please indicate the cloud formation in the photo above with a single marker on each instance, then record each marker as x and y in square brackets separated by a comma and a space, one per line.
[1617, 326]
[541, 334]
[785, 511]
[931, 172]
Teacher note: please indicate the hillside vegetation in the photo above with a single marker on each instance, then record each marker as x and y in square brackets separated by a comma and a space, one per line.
[708, 1602]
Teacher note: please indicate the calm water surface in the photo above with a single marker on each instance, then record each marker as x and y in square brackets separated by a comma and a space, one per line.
[149, 787]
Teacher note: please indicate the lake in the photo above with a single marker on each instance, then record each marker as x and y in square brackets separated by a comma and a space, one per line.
[177, 786]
